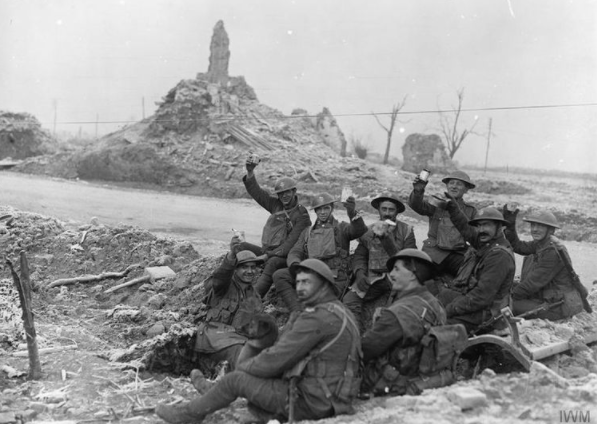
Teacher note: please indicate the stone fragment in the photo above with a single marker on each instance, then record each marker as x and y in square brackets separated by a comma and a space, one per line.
[467, 397]
[156, 329]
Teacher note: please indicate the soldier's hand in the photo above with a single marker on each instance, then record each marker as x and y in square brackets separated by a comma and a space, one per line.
[419, 185]
[250, 165]
[235, 246]
[380, 228]
[350, 206]
[509, 215]
[360, 284]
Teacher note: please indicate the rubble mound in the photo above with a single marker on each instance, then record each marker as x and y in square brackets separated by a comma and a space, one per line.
[21, 136]
[197, 141]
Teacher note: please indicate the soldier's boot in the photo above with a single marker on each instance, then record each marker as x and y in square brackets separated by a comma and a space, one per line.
[199, 382]
[178, 414]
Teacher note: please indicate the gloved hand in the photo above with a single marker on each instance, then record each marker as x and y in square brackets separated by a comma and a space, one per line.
[351, 206]
[419, 185]
[509, 215]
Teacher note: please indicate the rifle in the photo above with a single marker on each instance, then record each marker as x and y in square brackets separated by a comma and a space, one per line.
[578, 285]
[540, 308]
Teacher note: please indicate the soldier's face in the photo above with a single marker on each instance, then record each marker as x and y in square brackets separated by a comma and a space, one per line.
[286, 196]
[323, 212]
[539, 231]
[388, 210]
[246, 272]
[401, 277]
[307, 286]
[488, 229]
[456, 188]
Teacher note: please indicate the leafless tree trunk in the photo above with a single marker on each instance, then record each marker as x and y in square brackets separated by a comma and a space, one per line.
[390, 129]
[453, 137]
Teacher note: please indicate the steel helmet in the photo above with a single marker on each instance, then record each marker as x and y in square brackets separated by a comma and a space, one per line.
[409, 253]
[245, 256]
[488, 214]
[321, 269]
[388, 197]
[284, 184]
[322, 200]
[543, 217]
[459, 175]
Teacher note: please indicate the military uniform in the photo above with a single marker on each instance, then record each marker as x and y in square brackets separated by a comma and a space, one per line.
[445, 245]
[280, 232]
[370, 258]
[326, 336]
[544, 279]
[393, 344]
[230, 305]
[328, 242]
[481, 288]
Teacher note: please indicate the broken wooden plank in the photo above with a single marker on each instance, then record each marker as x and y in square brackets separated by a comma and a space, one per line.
[92, 278]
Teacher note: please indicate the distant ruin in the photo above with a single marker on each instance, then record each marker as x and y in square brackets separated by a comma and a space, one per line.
[21, 136]
[425, 151]
[219, 55]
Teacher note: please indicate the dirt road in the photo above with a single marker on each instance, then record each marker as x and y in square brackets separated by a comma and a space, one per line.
[205, 222]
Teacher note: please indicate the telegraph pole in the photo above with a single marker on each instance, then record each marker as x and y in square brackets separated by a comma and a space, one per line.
[143, 106]
[487, 149]
[55, 104]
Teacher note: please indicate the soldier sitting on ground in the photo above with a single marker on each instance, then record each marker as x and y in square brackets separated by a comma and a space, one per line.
[445, 245]
[545, 280]
[231, 303]
[287, 221]
[481, 288]
[328, 240]
[311, 372]
[384, 239]
[393, 349]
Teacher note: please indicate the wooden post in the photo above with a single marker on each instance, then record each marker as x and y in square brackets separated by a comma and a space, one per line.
[487, 150]
[23, 286]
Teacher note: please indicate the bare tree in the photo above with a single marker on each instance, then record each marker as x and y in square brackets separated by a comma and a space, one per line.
[390, 129]
[453, 136]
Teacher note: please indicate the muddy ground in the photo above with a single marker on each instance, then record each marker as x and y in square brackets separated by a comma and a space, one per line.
[119, 347]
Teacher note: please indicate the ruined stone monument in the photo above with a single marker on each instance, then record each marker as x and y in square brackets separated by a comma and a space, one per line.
[219, 55]
[425, 151]
[326, 125]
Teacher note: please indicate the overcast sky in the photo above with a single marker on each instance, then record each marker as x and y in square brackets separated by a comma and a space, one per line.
[102, 57]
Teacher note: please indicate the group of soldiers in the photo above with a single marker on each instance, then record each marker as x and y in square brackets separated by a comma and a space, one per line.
[364, 324]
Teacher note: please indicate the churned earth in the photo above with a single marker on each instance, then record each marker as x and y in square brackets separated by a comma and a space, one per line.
[118, 354]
